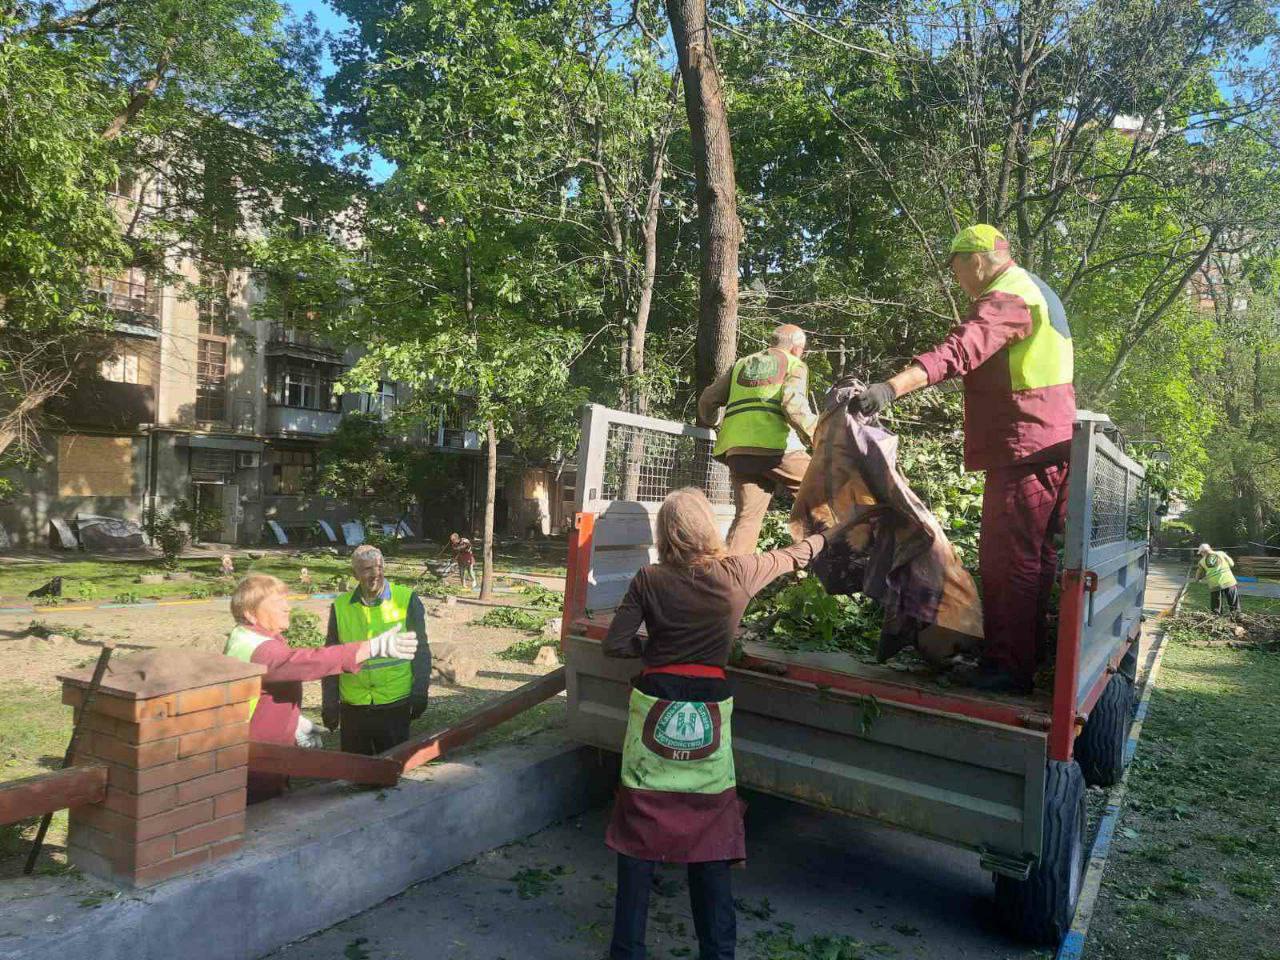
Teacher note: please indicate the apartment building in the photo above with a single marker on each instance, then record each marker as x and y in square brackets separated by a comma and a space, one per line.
[203, 401]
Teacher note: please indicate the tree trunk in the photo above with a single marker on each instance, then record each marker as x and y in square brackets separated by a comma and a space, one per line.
[490, 499]
[719, 231]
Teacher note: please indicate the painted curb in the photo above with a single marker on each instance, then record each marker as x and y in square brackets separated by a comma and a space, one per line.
[1073, 944]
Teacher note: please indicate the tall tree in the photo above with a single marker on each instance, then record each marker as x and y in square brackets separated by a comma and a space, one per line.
[719, 230]
[209, 98]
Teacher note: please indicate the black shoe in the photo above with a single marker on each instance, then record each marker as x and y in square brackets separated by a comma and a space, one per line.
[992, 679]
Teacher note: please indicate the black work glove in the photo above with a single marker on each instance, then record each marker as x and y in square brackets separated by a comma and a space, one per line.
[872, 400]
[330, 718]
[417, 707]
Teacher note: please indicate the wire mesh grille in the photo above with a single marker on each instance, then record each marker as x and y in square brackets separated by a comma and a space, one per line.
[1110, 501]
[1139, 510]
[643, 464]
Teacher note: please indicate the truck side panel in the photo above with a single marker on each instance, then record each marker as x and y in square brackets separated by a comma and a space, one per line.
[978, 785]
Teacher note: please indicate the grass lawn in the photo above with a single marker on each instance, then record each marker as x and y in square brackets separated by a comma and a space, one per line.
[102, 581]
[1195, 870]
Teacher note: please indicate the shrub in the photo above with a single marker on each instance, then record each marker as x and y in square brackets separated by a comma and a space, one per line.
[386, 542]
[84, 590]
[128, 596]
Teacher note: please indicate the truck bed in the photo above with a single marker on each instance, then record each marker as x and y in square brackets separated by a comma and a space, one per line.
[914, 685]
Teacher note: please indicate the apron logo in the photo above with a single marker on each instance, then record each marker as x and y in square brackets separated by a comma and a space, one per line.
[682, 729]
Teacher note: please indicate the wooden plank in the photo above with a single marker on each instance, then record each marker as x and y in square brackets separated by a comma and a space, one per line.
[50, 792]
[424, 749]
[321, 764]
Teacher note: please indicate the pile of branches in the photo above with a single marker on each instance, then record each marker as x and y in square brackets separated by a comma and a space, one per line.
[1255, 631]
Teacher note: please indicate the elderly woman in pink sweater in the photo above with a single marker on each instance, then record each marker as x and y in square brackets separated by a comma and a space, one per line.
[260, 607]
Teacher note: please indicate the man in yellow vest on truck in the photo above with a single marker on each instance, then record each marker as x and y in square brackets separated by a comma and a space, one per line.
[374, 707]
[1214, 568]
[767, 426]
[1013, 350]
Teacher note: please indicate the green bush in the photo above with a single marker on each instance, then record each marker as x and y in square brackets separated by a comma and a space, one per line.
[127, 596]
[304, 630]
[200, 591]
[386, 542]
[84, 590]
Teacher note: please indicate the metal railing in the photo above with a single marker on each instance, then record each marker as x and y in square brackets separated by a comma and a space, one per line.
[133, 302]
[1107, 539]
[625, 457]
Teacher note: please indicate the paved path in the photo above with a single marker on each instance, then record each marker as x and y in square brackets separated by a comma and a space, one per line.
[1263, 588]
[900, 895]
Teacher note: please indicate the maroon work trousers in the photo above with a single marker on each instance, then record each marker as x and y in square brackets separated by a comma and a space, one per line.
[1023, 506]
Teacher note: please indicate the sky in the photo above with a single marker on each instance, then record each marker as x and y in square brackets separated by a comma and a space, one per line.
[328, 19]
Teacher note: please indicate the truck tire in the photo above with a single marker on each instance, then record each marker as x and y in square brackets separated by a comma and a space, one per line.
[1040, 908]
[1100, 746]
[1129, 665]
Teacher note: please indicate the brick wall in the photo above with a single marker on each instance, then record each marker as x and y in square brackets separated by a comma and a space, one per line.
[172, 728]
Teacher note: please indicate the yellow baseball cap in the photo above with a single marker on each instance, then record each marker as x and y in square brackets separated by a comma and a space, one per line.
[979, 238]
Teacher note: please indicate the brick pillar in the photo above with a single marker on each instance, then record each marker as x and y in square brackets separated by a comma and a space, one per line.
[172, 727]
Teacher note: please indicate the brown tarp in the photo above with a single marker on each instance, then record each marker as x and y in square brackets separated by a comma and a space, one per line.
[896, 552]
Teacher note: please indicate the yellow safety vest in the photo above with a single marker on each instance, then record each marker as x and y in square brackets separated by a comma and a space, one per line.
[241, 643]
[1216, 569]
[753, 415]
[1044, 358]
[381, 679]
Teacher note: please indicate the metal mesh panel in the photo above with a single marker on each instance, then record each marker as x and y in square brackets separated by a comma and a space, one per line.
[643, 464]
[1139, 509]
[1110, 501]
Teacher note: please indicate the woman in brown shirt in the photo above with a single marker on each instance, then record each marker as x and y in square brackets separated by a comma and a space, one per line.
[677, 800]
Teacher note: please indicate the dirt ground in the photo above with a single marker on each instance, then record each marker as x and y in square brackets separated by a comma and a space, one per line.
[35, 726]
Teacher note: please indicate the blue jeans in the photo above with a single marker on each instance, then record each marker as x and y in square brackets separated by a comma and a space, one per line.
[710, 897]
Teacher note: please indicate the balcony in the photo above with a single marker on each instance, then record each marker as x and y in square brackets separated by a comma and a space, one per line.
[103, 403]
[283, 339]
[136, 305]
[299, 421]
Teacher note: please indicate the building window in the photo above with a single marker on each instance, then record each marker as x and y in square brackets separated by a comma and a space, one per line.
[212, 304]
[291, 471]
[306, 386]
[302, 227]
[121, 367]
[131, 293]
[211, 381]
[124, 186]
[381, 401]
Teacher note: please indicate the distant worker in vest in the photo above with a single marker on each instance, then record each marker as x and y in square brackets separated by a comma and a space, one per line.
[260, 607]
[1013, 350]
[1214, 568]
[766, 429]
[373, 708]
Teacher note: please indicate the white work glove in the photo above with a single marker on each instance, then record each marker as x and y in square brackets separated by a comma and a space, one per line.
[394, 643]
[307, 735]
